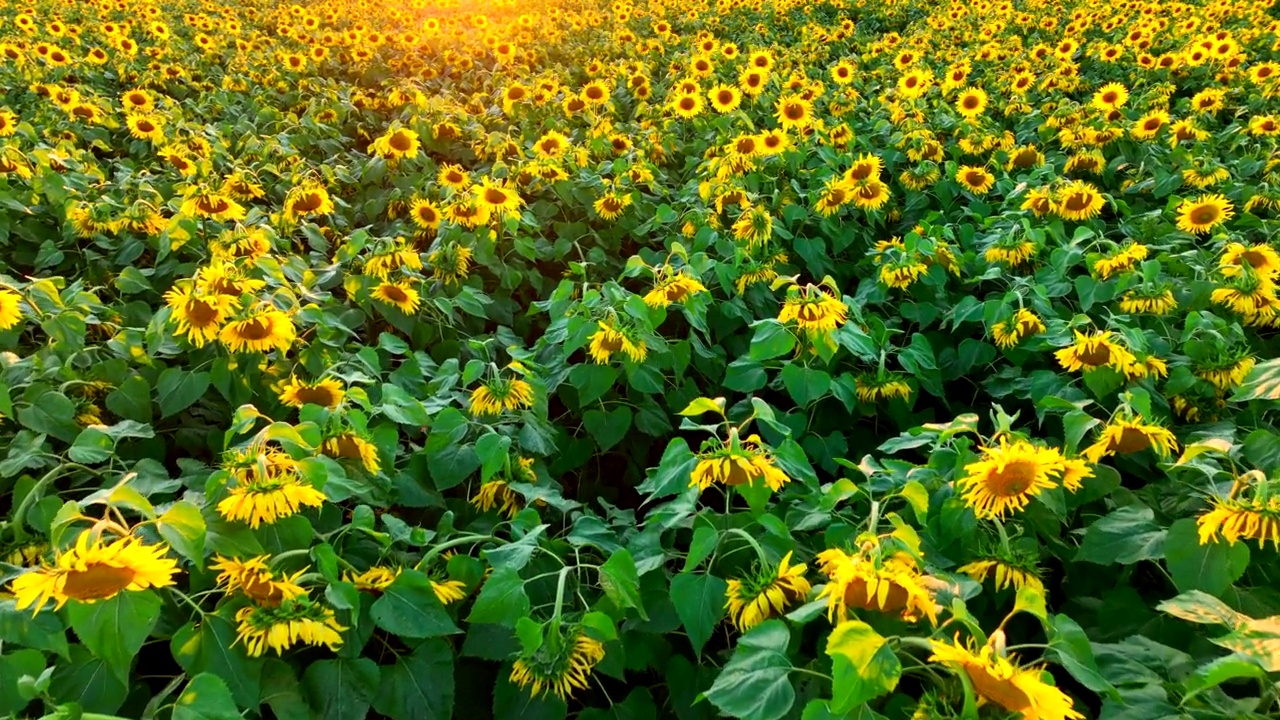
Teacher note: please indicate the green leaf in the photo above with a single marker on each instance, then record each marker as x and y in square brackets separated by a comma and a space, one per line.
[451, 464]
[1218, 671]
[673, 473]
[704, 405]
[131, 400]
[502, 600]
[515, 555]
[592, 381]
[88, 680]
[14, 664]
[115, 629]
[1198, 607]
[341, 689]
[206, 698]
[91, 447]
[771, 339]
[418, 686]
[409, 608]
[182, 526]
[699, 602]
[42, 631]
[1031, 600]
[745, 375]
[1126, 536]
[492, 450]
[1211, 567]
[400, 407]
[863, 665]
[210, 647]
[1069, 644]
[621, 582]
[282, 692]
[50, 413]
[703, 544]
[754, 685]
[608, 428]
[1262, 382]
[805, 385]
[177, 389]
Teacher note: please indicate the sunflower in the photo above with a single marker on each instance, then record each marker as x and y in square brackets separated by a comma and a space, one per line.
[1011, 250]
[399, 294]
[813, 310]
[766, 593]
[737, 462]
[1148, 125]
[497, 494]
[1024, 157]
[1008, 476]
[1260, 257]
[212, 205]
[774, 142]
[1023, 324]
[1226, 373]
[1001, 681]
[1121, 260]
[425, 214]
[1155, 301]
[396, 144]
[496, 198]
[261, 331]
[280, 627]
[1201, 215]
[971, 102]
[1233, 519]
[834, 195]
[915, 83]
[1264, 125]
[865, 581]
[267, 487]
[754, 227]
[145, 127]
[348, 445]
[608, 339]
[1005, 574]
[453, 177]
[450, 263]
[8, 123]
[501, 394]
[1095, 350]
[94, 570]
[881, 386]
[326, 393]
[397, 255]
[1125, 435]
[307, 200]
[673, 287]
[198, 316]
[976, 180]
[1111, 96]
[561, 663]
[1203, 177]
[724, 98]
[255, 580]
[611, 205]
[902, 273]
[687, 106]
[794, 112]
[551, 145]
[10, 308]
[871, 194]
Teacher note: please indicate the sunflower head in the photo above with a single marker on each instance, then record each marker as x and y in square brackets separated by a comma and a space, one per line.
[766, 592]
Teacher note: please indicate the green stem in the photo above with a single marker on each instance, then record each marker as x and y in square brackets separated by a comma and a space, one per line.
[194, 605]
[750, 541]
[433, 552]
[16, 522]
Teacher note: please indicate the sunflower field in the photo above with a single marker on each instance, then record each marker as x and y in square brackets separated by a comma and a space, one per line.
[890, 359]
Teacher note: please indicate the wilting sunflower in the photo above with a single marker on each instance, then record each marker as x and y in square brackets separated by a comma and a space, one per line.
[501, 394]
[881, 386]
[396, 256]
[212, 205]
[10, 308]
[267, 486]
[498, 494]
[767, 593]
[297, 621]
[261, 331]
[866, 581]
[94, 570]
[1024, 323]
[1128, 434]
[813, 309]
[1008, 476]
[1156, 300]
[1225, 373]
[1262, 258]
[561, 664]
[1000, 680]
[971, 102]
[1095, 350]
[307, 200]
[737, 462]
[1004, 573]
[1121, 260]
[1234, 519]
[1250, 294]
[1012, 249]
[326, 393]
[254, 579]
[609, 339]
[673, 287]
[197, 316]
[374, 580]
[397, 144]
[902, 273]
[348, 445]
[976, 180]
[754, 227]
[400, 295]
[1203, 214]
[450, 263]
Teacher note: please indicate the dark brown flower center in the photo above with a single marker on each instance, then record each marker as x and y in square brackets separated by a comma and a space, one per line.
[97, 581]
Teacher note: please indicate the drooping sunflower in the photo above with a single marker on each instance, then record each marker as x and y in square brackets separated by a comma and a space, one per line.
[1005, 574]
[497, 494]
[740, 461]
[1095, 350]
[212, 205]
[1008, 476]
[1041, 201]
[867, 581]
[197, 316]
[1012, 249]
[94, 570]
[254, 579]
[327, 392]
[609, 339]
[767, 593]
[1225, 373]
[296, 621]
[397, 255]
[560, 665]
[1127, 434]
[881, 385]
[261, 331]
[399, 295]
[1023, 324]
[501, 394]
[349, 445]
[813, 309]
[10, 308]
[1261, 257]
[1234, 519]
[1122, 259]
[976, 180]
[266, 486]
[1000, 680]
[450, 263]
[374, 580]
[673, 287]
[754, 227]
[871, 194]
[307, 200]
[1203, 214]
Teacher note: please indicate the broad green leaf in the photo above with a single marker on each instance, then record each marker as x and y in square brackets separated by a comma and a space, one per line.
[592, 381]
[770, 340]
[864, 667]
[673, 473]
[115, 629]
[1211, 567]
[419, 686]
[182, 526]
[805, 385]
[1198, 607]
[699, 601]
[451, 464]
[621, 582]
[502, 599]
[702, 405]
[282, 692]
[703, 544]
[1069, 644]
[177, 389]
[1262, 382]
[91, 447]
[1126, 536]
[517, 554]
[755, 683]
[492, 449]
[608, 428]
[88, 680]
[1218, 671]
[341, 689]
[409, 608]
[43, 631]
[211, 647]
[206, 697]
[402, 408]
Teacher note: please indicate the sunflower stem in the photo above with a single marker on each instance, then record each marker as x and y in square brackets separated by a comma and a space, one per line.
[750, 541]
[16, 517]
[433, 552]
